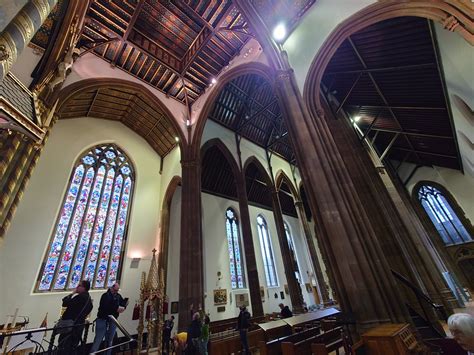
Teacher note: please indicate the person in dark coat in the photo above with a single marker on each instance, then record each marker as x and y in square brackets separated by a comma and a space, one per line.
[194, 333]
[285, 311]
[167, 328]
[111, 303]
[243, 325]
[78, 305]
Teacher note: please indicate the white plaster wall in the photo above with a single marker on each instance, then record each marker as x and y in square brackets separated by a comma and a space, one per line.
[457, 58]
[316, 26]
[25, 65]
[459, 185]
[247, 148]
[29, 234]
[216, 256]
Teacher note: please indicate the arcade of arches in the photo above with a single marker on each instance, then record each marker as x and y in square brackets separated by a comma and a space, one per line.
[334, 165]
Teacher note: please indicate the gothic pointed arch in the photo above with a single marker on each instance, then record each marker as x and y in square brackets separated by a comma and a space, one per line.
[452, 15]
[165, 223]
[127, 102]
[251, 68]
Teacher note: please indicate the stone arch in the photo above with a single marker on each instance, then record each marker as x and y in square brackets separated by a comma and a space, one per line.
[252, 68]
[452, 14]
[75, 88]
[282, 177]
[165, 223]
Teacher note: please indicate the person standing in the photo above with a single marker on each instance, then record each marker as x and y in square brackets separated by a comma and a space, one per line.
[204, 339]
[78, 305]
[243, 325]
[111, 303]
[194, 333]
[167, 328]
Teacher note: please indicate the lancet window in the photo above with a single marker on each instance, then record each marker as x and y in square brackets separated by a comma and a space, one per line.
[267, 252]
[237, 279]
[89, 237]
[441, 213]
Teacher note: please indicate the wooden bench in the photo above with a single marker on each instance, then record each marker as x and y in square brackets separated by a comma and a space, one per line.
[274, 347]
[321, 344]
[231, 343]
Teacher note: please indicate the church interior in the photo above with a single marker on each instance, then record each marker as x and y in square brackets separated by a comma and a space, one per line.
[209, 155]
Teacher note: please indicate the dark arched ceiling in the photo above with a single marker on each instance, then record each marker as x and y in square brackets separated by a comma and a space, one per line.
[247, 105]
[127, 105]
[389, 74]
[257, 184]
[286, 198]
[216, 174]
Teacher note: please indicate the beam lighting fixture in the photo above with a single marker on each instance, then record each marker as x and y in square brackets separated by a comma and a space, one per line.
[279, 32]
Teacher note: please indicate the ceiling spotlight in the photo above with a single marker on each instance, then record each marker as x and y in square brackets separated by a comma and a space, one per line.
[357, 118]
[279, 32]
[176, 139]
[213, 80]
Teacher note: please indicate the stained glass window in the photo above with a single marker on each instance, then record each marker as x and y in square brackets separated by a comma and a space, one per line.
[237, 279]
[267, 252]
[293, 256]
[442, 215]
[90, 232]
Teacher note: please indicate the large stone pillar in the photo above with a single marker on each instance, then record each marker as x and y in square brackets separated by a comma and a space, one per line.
[250, 261]
[16, 36]
[362, 277]
[191, 275]
[322, 290]
[288, 262]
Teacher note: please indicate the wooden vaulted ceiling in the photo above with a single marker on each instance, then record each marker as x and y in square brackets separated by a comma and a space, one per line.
[128, 106]
[389, 75]
[216, 174]
[175, 46]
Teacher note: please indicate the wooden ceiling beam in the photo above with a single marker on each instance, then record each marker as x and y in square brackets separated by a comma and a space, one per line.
[399, 107]
[423, 152]
[382, 69]
[206, 40]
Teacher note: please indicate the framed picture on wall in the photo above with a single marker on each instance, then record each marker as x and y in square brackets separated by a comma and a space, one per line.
[308, 287]
[242, 299]
[287, 291]
[262, 293]
[220, 296]
[174, 307]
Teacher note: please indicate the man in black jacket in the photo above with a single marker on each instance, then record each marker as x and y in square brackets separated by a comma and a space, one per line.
[78, 305]
[243, 325]
[111, 303]
[285, 311]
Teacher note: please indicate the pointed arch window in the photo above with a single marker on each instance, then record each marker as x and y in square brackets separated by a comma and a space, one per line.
[237, 279]
[267, 252]
[89, 236]
[294, 258]
[442, 215]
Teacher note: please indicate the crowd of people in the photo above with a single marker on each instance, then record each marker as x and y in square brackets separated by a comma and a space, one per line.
[195, 340]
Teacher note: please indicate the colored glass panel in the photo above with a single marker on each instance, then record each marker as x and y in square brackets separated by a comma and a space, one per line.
[87, 229]
[89, 236]
[267, 252]
[120, 232]
[58, 239]
[76, 223]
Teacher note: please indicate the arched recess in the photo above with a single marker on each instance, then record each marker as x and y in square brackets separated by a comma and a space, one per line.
[251, 68]
[217, 143]
[153, 120]
[452, 14]
[253, 170]
[165, 224]
[282, 177]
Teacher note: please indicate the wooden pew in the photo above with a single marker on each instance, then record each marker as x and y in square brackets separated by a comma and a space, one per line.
[321, 344]
[274, 347]
[231, 344]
